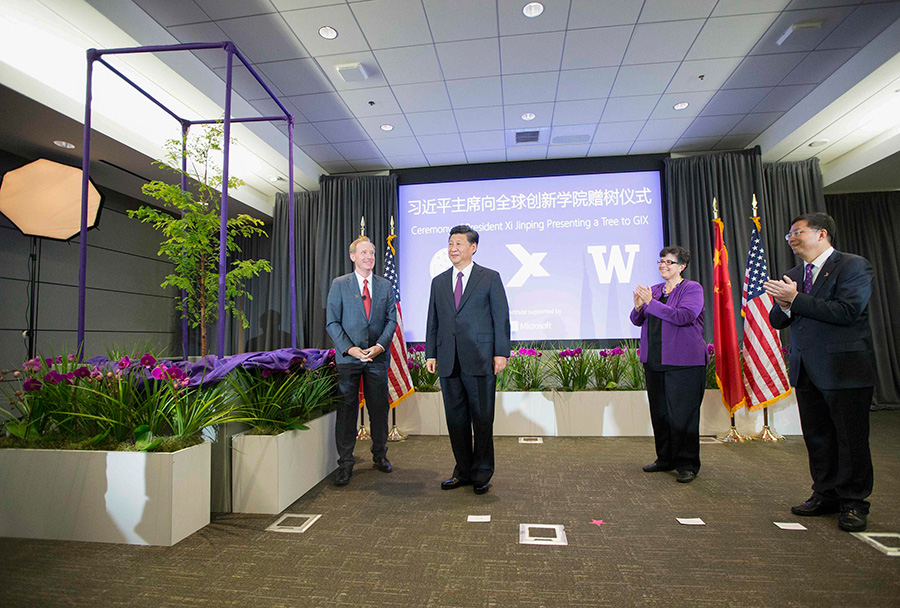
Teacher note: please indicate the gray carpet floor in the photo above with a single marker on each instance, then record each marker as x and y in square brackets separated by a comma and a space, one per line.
[392, 540]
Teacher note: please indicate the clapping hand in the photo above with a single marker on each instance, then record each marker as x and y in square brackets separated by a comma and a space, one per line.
[783, 292]
[642, 296]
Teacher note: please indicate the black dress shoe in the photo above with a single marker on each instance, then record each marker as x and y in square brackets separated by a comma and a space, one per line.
[383, 465]
[482, 488]
[655, 467]
[815, 506]
[342, 477]
[453, 483]
[852, 520]
[686, 476]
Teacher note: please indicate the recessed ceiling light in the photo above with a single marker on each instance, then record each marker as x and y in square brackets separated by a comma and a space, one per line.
[276, 178]
[818, 143]
[528, 116]
[532, 9]
[681, 105]
[327, 32]
[63, 144]
[387, 127]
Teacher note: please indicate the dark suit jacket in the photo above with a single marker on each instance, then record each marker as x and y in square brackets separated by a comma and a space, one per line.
[345, 317]
[477, 332]
[830, 332]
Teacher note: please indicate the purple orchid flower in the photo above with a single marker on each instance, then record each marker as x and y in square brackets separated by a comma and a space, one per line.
[31, 385]
[148, 360]
[81, 372]
[124, 362]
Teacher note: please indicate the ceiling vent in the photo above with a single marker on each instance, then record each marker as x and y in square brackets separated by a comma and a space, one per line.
[527, 137]
[352, 72]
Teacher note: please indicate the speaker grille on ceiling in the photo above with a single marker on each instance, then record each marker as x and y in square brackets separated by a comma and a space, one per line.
[525, 137]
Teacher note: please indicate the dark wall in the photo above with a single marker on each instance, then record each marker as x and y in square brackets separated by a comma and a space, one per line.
[126, 307]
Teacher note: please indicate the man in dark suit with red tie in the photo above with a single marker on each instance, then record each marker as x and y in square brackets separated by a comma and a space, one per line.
[467, 343]
[825, 302]
[361, 317]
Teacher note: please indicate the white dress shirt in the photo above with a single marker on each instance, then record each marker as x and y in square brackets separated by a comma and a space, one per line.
[467, 272]
[817, 267]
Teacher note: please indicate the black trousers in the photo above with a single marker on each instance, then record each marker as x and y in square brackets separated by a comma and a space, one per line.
[675, 397]
[469, 407]
[375, 389]
[836, 431]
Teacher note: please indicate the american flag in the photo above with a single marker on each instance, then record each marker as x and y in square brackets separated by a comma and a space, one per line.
[765, 374]
[400, 383]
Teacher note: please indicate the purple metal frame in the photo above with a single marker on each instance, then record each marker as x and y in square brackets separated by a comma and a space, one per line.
[96, 55]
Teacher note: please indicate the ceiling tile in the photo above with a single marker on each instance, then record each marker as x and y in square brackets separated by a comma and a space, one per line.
[306, 23]
[479, 119]
[297, 76]
[268, 107]
[603, 13]
[590, 83]
[513, 21]
[578, 112]
[714, 73]
[611, 149]
[618, 131]
[596, 47]
[730, 36]
[372, 126]
[528, 88]
[709, 126]
[422, 97]
[432, 123]
[755, 123]
[292, 5]
[440, 144]
[657, 42]
[526, 153]
[512, 115]
[572, 135]
[475, 92]
[735, 101]
[401, 146]
[441, 159]
[568, 151]
[461, 19]
[666, 10]
[335, 167]
[203, 32]
[306, 134]
[783, 98]
[402, 162]
[469, 59]
[695, 144]
[359, 102]
[337, 131]
[802, 39]
[486, 156]
[358, 150]
[322, 153]
[390, 23]
[620, 109]
[321, 106]
[367, 60]
[818, 65]
[517, 53]
[168, 13]
[735, 142]
[263, 38]
[727, 8]
[643, 79]
[666, 106]
[668, 128]
[371, 164]
[409, 64]
[483, 140]
[652, 146]
[244, 84]
[861, 27]
[763, 70]
[226, 9]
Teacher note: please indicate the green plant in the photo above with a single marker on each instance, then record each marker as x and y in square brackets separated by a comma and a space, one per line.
[422, 379]
[711, 368]
[571, 368]
[608, 368]
[523, 372]
[633, 369]
[192, 235]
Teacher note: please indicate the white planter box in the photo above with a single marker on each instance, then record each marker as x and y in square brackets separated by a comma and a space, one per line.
[136, 498]
[270, 472]
[589, 414]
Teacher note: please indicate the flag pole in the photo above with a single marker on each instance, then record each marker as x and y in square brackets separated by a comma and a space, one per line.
[363, 432]
[394, 434]
[767, 433]
[733, 435]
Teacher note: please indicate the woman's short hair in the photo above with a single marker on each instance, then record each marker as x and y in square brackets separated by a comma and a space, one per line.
[682, 255]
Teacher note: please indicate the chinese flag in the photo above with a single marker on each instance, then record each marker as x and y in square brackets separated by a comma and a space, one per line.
[728, 361]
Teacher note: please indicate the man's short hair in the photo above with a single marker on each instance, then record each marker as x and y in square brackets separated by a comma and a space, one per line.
[681, 254]
[465, 229]
[818, 220]
[362, 239]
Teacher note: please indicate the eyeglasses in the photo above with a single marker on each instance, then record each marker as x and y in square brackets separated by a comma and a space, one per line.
[788, 236]
[667, 262]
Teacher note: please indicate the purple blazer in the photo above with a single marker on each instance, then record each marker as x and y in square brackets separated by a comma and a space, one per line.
[682, 324]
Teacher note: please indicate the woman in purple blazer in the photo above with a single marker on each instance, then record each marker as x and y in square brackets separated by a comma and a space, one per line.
[673, 351]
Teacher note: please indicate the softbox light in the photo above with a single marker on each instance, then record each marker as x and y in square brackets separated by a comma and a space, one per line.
[43, 199]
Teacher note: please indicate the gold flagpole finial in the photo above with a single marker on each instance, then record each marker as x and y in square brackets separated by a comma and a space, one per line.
[392, 225]
[754, 204]
[715, 209]
[362, 226]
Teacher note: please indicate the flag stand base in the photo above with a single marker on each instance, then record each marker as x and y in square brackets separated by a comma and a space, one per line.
[733, 436]
[396, 435]
[767, 434]
[363, 433]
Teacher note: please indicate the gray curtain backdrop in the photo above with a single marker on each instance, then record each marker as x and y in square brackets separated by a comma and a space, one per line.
[868, 224]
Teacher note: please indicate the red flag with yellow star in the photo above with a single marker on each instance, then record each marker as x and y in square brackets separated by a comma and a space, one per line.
[725, 341]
